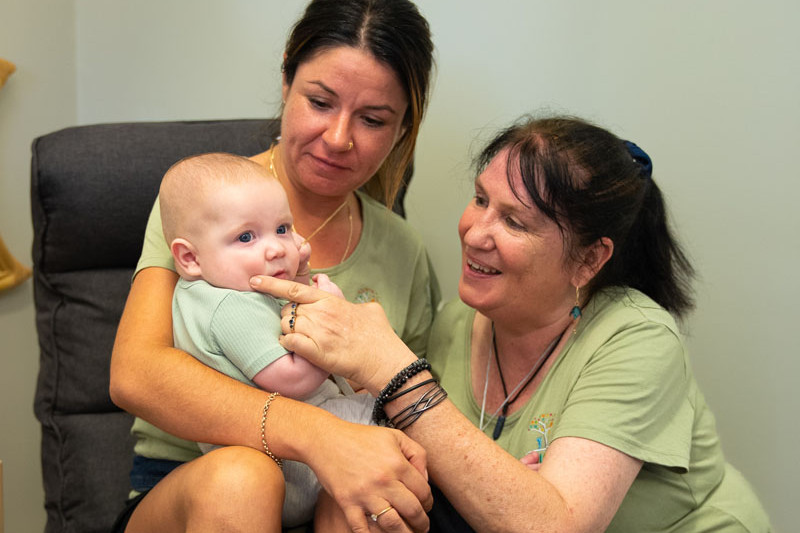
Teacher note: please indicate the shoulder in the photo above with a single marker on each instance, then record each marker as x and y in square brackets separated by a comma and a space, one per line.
[626, 364]
[621, 307]
[155, 250]
[261, 158]
[625, 327]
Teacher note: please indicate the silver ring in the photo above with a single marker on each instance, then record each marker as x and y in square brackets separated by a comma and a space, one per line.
[293, 317]
[375, 517]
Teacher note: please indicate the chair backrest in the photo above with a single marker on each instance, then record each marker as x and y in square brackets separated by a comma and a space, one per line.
[92, 188]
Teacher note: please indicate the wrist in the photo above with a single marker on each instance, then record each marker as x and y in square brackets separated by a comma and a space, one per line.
[294, 428]
[415, 401]
[385, 371]
[392, 390]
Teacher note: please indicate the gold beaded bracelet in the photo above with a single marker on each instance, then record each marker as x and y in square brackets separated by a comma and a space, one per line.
[263, 430]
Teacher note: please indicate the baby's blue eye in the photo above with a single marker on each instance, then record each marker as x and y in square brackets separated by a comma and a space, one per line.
[246, 237]
[282, 229]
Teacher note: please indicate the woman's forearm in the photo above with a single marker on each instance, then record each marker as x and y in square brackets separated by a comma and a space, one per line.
[489, 487]
[578, 488]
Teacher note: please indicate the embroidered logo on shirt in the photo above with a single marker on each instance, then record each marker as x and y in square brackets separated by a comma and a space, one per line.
[542, 426]
[365, 295]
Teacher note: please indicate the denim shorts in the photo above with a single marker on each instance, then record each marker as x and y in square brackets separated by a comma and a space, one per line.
[145, 474]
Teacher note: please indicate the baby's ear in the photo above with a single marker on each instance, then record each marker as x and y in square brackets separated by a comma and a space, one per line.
[186, 260]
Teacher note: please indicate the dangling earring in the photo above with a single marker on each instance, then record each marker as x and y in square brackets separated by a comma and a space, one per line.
[576, 311]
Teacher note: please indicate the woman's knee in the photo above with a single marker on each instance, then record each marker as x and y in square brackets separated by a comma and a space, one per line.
[230, 489]
[233, 489]
[236, 474]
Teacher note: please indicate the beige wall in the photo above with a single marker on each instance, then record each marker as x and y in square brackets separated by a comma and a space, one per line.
[39, 37]
[709, 89]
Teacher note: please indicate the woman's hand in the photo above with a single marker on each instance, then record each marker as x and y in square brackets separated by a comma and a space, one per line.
[367, 469]
[355, 341]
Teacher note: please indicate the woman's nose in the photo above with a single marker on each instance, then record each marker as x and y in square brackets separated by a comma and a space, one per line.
[338, 135]
[478, 233]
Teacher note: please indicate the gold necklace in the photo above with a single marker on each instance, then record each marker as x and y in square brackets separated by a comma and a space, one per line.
[349, 233]
[274, 172]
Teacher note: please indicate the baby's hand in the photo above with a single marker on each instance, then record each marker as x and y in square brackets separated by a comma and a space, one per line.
[532, 461]
[324, 283]
[303, 269]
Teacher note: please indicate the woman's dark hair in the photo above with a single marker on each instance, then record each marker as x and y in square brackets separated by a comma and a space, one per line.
[594, 185]
[396, 34]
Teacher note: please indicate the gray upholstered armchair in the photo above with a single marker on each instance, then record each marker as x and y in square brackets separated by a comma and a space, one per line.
[92, 188]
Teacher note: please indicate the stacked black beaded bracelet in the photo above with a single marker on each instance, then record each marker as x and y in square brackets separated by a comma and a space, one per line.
[378, 414]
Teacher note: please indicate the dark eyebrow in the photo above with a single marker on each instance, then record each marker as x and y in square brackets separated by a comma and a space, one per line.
[519, 209]
[330, 91]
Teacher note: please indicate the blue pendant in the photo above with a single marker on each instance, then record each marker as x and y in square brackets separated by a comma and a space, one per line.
[576, 312]
[498, 427]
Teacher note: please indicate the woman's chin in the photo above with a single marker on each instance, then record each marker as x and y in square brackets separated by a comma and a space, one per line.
[471, 296]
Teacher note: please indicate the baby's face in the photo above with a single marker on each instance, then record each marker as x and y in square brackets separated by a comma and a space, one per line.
[248, 233]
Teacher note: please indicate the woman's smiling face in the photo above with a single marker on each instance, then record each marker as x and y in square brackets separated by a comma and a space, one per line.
[513, 258]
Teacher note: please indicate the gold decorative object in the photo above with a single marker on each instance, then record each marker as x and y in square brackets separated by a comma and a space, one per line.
[7, 68]
[12, 272]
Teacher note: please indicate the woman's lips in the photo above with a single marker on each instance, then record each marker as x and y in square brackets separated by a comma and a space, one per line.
[475, 266]
[328, 164]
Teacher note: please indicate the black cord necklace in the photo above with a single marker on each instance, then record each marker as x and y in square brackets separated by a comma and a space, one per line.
[521, 386]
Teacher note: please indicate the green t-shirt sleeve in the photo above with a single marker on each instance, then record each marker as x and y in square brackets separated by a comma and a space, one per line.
[155, 251]
[633, 395]
[245, 328]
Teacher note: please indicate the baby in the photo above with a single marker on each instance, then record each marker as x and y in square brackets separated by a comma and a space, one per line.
[227, 219]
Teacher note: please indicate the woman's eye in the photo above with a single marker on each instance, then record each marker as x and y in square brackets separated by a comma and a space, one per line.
[283, 229]
[318, 103]
[373, 122]
[479, 200]
[513, 224]
[247, 236]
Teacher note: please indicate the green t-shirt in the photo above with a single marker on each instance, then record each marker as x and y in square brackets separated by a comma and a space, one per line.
[389, 265]
[209, 323]
[624, 380]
